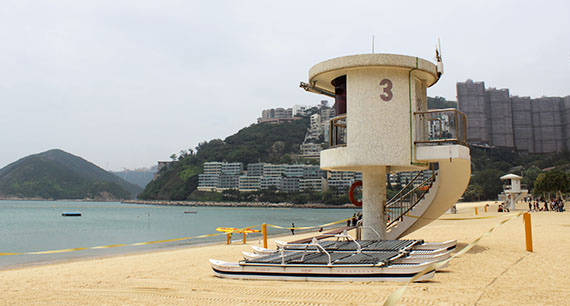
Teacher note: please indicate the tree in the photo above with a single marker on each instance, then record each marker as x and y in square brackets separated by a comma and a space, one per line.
[490, 182]
[473, 192]
[529, 176]
[554, 181]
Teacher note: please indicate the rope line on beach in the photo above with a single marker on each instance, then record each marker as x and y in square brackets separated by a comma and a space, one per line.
[395, 297]
[497, 277]
[109, 246]
[309, 227]
[454, 219]
[166, 240]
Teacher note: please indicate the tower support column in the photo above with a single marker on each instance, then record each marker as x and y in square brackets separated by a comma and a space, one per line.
[373, 201]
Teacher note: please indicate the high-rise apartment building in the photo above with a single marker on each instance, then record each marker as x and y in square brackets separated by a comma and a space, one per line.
[495, 118]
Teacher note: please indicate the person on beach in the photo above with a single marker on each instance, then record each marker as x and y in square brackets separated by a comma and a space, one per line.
[292, 228]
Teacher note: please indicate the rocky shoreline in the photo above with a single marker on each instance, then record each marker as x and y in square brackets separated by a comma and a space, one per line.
[236, 204]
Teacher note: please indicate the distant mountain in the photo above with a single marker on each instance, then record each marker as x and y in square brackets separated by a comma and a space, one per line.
[56, 174]
[139, 177]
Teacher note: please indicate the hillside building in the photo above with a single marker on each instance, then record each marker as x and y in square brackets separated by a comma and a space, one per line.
[219, 176]
[280, 115]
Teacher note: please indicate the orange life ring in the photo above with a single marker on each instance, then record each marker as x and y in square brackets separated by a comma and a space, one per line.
[351, 193]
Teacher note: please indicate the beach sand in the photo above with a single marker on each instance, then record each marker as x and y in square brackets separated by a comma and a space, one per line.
[498, 271]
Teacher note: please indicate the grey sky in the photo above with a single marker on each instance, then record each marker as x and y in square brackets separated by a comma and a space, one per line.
[127, 83]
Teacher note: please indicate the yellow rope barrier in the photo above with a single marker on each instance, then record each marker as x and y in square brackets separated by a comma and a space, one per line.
[162, 241]
[309, 227]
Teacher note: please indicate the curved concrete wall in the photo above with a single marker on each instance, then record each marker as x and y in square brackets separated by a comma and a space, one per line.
[382, 92]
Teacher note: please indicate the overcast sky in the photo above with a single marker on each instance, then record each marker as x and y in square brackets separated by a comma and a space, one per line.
[126, 83]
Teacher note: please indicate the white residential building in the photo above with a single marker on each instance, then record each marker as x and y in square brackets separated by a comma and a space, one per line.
[232, 168]
[300, 110]
[213, 168]
[268, 181]
[273, 170]
[310, 149]
[249, 183]
[208, 182]
[313, 184]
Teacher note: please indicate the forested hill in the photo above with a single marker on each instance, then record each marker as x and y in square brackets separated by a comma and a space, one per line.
[272, 143]
[56, 174]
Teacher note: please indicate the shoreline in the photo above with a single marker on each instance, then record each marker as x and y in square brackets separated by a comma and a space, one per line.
[237, 204]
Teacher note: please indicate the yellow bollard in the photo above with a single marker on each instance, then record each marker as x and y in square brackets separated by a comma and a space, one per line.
[485, 208]
[264, 232]
[475, 210]
[244, 239]
[228, 238]
[528, 232]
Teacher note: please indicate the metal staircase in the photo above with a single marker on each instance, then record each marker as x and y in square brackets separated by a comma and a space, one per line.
[407, 198]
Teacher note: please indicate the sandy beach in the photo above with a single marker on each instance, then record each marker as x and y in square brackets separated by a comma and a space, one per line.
[498, 271]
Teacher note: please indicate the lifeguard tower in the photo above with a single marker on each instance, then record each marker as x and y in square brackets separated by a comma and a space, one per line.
[513, 189]
[383, 125]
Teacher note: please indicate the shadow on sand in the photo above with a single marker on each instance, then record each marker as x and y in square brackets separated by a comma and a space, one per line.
[474, 250]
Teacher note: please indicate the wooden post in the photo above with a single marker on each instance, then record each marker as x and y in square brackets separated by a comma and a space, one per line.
[264, 232]
[475, 210]
[528, 232]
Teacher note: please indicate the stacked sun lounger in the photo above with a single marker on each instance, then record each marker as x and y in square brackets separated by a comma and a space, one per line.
[339, 260]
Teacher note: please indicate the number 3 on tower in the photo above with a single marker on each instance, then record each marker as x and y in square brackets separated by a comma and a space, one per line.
[387, 93]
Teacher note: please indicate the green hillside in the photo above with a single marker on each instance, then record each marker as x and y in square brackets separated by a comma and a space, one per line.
[272, 143]
[56, 174]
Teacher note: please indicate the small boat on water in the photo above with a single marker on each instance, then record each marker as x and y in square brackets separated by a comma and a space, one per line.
[71, 214]
[348, 260]
[190, 212]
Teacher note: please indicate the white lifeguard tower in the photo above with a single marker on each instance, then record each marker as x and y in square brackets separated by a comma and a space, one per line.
[383, 125]
[513, 189]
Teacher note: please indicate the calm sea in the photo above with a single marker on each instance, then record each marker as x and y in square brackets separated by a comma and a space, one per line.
[31, 226]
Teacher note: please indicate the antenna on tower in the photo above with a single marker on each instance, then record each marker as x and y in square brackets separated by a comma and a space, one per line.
[439, 61]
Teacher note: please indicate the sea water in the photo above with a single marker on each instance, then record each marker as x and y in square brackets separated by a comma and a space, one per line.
[35, 226]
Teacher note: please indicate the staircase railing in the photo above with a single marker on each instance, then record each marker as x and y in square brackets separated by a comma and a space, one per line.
[405, 200]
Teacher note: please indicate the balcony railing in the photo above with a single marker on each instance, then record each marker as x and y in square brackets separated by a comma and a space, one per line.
[441, 126]
[338, 131]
